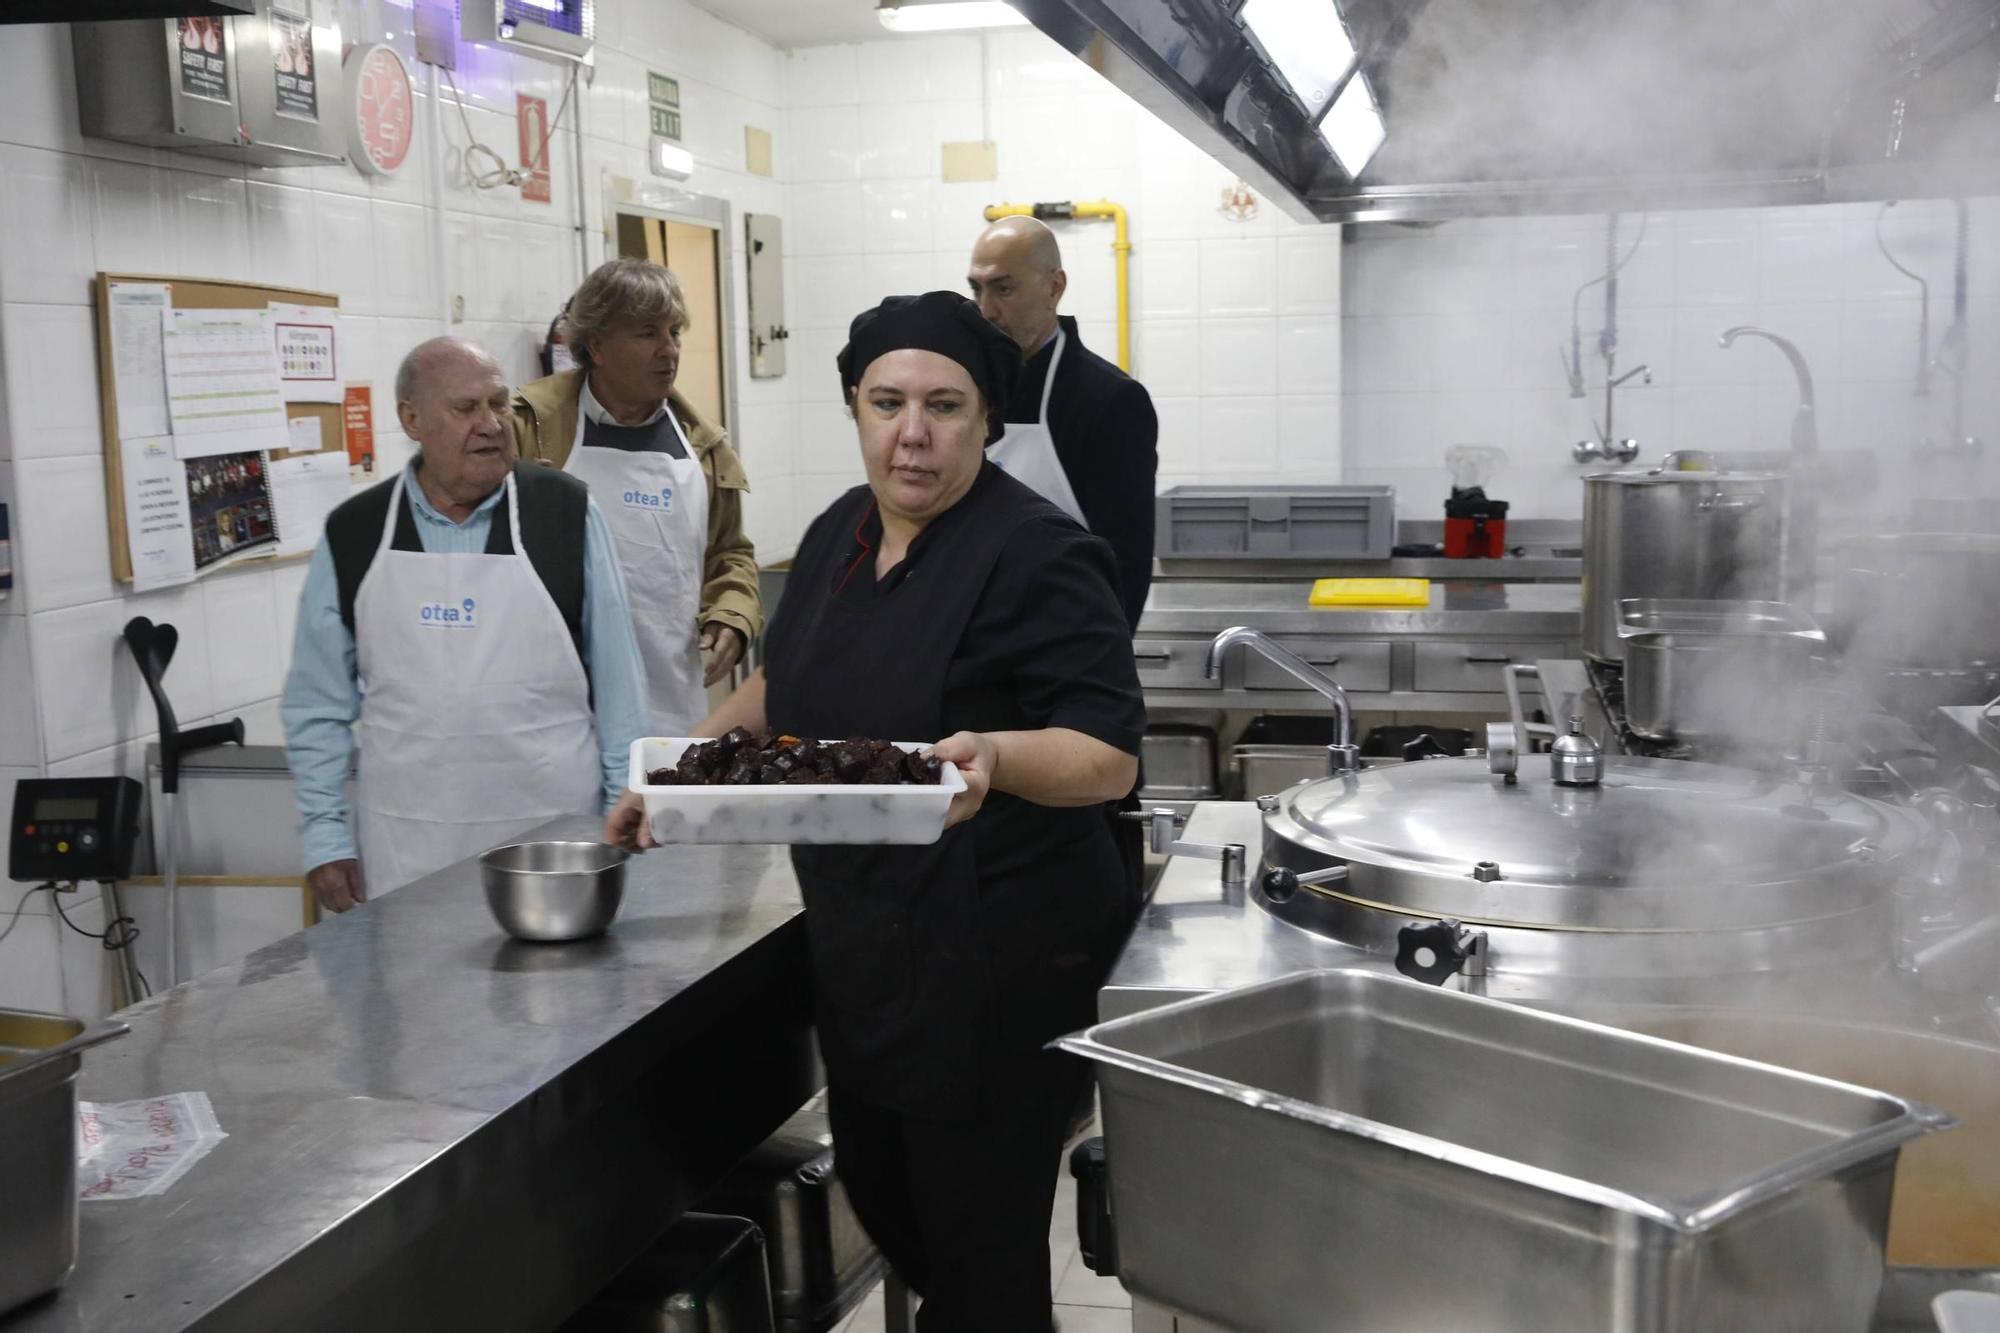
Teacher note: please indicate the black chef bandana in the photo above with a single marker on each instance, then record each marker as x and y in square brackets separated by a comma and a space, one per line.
[941, 322]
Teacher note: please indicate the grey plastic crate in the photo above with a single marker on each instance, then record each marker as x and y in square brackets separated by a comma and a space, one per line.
[1275, 523]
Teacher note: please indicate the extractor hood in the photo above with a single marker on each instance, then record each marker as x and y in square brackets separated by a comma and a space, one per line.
[1568, 106]
[82, 11]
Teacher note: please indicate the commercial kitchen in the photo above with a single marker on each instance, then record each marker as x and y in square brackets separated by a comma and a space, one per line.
[1539, 452]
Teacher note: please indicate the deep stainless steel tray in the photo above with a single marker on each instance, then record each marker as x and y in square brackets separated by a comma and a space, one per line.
[1734, 673]
[1689, 615]
[39, 1058]
[1346, 1150]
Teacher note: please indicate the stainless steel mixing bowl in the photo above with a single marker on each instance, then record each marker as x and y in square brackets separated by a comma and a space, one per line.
[554, 890]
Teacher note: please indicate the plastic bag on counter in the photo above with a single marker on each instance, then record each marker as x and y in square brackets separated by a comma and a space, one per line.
[128, 1150]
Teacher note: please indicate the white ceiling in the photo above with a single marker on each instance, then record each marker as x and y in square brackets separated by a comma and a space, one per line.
[801, 22]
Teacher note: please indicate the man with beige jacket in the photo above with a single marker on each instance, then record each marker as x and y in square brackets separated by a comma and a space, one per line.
[669, 483]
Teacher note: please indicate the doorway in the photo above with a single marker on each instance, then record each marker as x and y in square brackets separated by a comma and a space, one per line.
[689, 236]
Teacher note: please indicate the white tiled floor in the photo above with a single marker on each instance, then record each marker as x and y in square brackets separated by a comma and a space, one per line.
[1085, 1302]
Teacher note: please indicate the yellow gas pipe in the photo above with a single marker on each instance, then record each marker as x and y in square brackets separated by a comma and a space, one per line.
[1121, 248]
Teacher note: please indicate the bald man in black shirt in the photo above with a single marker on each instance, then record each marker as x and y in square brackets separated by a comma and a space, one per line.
[1083, 433]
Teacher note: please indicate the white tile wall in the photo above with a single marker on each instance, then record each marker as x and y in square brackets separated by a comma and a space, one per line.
[1239, 437]
[1231, 319]
[45, 206]
[240, 612]
[20, 731]
[132, 217]
[281, 236]
[1435, 352]
[30, 956]
[51, 360]
[62, 532]
[1238, 356]
[212, 214]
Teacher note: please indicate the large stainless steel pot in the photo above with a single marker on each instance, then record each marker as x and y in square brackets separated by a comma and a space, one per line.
[1668, 869]
[1730, 673]
[39, 1057]
[1672, 533]
[1920, 599]
[1367, 1153]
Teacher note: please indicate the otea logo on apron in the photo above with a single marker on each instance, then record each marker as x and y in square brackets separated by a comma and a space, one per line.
[664, 501]
[436, 615]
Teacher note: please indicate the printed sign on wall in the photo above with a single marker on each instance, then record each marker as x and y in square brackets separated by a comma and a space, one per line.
[204, 59]
[292, 55]
[532, 113]
[357, 420]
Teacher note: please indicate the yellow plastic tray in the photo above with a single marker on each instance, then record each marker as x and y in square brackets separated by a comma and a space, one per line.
[1371, 592]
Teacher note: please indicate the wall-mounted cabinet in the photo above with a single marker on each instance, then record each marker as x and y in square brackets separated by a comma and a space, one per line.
[262, 88]
[764, 247]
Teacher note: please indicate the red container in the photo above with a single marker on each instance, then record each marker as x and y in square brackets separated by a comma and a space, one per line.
[1475, 527]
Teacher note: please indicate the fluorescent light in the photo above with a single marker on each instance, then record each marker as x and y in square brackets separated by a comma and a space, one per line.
[1353, 129]
[670, 159]
[1308, 43]
[946, 15]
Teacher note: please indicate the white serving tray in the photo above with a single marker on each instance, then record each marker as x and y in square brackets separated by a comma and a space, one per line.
[868, 813]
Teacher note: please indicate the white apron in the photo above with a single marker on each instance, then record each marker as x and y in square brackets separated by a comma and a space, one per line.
[1027, 451]
[656, 506]
[475, 719]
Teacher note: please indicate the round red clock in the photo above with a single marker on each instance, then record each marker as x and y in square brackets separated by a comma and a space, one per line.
[383, 111]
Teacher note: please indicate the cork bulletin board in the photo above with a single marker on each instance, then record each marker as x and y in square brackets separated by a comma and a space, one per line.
[192, 294]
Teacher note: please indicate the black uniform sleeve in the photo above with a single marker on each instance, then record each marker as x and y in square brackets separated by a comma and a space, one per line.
[1051, 616]
[811, 573]
[1113, 473]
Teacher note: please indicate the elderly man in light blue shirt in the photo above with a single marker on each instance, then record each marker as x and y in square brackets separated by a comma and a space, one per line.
[466, 624]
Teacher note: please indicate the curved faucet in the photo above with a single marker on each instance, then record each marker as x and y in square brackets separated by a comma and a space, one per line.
[1343, 756]
[1805, 455]
[1805, 431]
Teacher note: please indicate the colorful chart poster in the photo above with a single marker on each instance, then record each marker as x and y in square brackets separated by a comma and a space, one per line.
[307, 338]
[222, 372]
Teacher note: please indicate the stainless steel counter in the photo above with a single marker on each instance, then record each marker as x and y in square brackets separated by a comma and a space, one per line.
[1457, 607]
[1529, 567]
[1445, 657]
[434, 1127]
[1195, 936]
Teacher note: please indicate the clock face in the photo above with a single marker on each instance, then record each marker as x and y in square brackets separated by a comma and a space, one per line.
[383, 112]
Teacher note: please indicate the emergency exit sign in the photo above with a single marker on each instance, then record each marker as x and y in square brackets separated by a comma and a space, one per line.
[663, 111]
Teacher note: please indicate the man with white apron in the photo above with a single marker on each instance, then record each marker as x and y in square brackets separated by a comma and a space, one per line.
[465, 624]
[1079, 430]
[669, 483]
[475, 712]
[655, 501]
[1027, 449]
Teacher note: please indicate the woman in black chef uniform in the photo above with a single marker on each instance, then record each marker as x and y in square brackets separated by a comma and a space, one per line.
[946, 600]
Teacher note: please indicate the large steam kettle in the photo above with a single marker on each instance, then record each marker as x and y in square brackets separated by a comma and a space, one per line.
[1683, 529]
